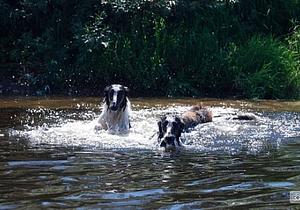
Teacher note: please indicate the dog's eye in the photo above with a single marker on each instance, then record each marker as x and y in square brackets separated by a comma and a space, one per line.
[165, 124]
[120, 93]
[174, 124]
[111, 94]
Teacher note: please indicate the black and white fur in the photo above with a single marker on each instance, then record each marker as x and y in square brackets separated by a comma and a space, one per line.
[171, 127]
[115, 111]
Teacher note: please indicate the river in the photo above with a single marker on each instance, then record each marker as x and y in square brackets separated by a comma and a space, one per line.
[51, 157]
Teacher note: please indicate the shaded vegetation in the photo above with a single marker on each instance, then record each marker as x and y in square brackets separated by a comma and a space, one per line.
[246, 48]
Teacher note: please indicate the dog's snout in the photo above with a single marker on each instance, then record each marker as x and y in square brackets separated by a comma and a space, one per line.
[170, 139]
[113, 107]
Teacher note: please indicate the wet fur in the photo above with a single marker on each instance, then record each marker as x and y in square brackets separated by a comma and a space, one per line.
[114, 121]
[196, 115]
[189, 119]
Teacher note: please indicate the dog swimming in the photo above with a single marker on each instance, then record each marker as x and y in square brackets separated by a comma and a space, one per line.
[115, 110]
[171, 127]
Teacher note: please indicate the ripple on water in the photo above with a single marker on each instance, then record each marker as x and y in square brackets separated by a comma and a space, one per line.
[223, 134]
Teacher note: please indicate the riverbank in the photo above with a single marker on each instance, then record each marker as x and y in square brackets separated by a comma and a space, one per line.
[17, 90]
[94, 103]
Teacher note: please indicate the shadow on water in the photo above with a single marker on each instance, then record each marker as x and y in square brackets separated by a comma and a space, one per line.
[50, 157]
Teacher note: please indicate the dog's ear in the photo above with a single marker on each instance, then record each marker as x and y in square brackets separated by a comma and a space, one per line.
[126, 90]
[163, 118]
[160, 129]
[105, 93]
[124, 102]
[106, 89]
[180, 123]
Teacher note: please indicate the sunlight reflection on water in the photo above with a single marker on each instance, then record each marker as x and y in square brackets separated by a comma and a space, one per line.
[51, 157]
[223, 134]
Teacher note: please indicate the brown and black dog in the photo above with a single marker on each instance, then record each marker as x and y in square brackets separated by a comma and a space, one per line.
[170, 127]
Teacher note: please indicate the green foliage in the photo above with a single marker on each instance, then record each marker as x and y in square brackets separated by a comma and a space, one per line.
[158, 48]
[294, 46]
[268, 16]
[294, 42]
[265, 68]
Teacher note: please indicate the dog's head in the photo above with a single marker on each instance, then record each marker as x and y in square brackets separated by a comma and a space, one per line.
[170, 129]
[115, 97]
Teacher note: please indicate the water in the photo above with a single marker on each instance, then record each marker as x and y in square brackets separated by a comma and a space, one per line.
[50, 157]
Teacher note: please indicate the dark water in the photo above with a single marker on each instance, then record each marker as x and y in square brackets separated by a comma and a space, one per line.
[50, 157]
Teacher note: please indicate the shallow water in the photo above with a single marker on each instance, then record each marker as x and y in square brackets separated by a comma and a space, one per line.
[51, 157]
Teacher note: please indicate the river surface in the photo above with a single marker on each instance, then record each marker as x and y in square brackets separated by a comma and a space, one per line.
[51, 157]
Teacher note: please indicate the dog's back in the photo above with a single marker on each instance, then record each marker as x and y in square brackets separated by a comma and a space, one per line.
[196, 115]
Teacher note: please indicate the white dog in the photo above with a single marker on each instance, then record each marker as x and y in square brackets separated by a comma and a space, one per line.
[115, 110]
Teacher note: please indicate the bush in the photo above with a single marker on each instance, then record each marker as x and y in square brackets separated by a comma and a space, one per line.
[294, 46]
[158, 48]
[265, 68]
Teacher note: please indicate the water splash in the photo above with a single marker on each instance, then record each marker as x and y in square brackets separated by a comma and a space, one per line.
[76, 128]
